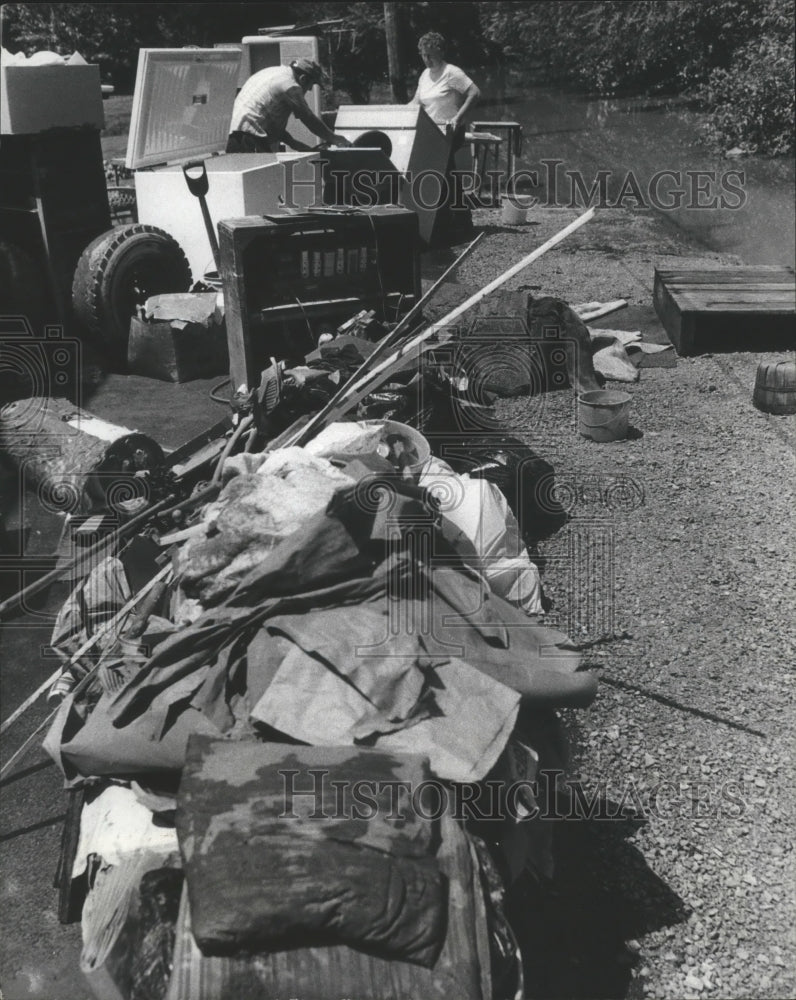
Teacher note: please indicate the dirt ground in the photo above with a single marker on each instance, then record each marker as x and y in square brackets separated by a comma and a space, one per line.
[676, 571]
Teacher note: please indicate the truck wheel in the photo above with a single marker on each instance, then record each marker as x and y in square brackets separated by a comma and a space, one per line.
[119, 271]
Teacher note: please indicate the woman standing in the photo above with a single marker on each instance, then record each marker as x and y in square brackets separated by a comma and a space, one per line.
[445, 92]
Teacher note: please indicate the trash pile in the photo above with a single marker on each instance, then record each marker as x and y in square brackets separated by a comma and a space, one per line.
[355, 609]
[303, 716]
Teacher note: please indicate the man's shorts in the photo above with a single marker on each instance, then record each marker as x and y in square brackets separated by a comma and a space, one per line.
[247, 142]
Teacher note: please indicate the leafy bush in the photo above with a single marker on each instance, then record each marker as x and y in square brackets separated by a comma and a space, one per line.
[612, 46]
[737, 55]
[752, 102]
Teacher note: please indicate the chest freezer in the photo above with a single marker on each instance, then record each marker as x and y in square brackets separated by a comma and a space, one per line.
[182, 108]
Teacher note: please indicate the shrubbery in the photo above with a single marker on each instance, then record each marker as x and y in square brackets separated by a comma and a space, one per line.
[752, 101]
[737, 55]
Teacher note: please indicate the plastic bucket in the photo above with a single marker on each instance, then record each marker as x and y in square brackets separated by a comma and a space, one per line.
[415, 449]
[514, 212]
[415, 444]
[603, 415]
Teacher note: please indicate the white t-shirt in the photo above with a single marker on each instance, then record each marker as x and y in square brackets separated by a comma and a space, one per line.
[266, 101]
[441, 99]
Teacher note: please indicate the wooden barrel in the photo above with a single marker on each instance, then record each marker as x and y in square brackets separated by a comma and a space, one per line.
[775, 387]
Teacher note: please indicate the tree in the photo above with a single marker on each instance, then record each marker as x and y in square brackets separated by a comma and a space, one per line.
[111, 34]
[394, 62]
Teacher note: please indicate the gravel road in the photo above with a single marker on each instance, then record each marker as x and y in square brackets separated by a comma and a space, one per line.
[678, 565]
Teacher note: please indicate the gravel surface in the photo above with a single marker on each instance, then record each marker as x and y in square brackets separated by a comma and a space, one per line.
[678, 558]
[677, 568]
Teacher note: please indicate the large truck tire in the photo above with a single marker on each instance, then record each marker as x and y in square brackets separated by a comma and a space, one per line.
[118, 272]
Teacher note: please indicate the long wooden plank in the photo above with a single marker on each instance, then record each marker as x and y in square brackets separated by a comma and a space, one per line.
[763, 286]
[752, 303]
[781, 282]
[385, 346]
[420, 343]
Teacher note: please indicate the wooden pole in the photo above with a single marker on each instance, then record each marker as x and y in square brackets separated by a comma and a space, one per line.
[103, 630]
[96, 551]
[395, 66]
[81, 684]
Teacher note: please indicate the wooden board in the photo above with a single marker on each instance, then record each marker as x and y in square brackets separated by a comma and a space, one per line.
[741, 308]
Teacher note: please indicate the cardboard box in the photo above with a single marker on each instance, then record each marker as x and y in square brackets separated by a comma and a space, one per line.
[35, 98]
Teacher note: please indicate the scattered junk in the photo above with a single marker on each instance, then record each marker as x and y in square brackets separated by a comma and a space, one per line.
[170, 129]
[309, 590]
[99, 276]
[76, 462]
[115, 275]
[290, 277]
[410, 144]
[617, 353]
[335, 580]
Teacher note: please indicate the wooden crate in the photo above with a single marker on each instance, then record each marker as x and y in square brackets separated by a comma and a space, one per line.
[735, 308]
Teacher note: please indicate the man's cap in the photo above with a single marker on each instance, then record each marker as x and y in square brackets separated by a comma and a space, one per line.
[310, 69]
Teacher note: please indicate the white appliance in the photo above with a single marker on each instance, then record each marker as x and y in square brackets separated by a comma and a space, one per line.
[182, 109]
[417, 148]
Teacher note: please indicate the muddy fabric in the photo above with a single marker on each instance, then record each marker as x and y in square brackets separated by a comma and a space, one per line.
[462, 969]
[259, 880]
[378, 638]
[253, 513]
[352, 795]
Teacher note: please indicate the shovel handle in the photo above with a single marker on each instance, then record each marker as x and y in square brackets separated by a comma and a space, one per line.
[198, 184]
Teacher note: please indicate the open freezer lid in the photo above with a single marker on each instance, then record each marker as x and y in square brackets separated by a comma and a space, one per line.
[182, 105]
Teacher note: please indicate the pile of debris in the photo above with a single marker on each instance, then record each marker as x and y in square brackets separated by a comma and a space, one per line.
[335, 611]
[304, 712]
